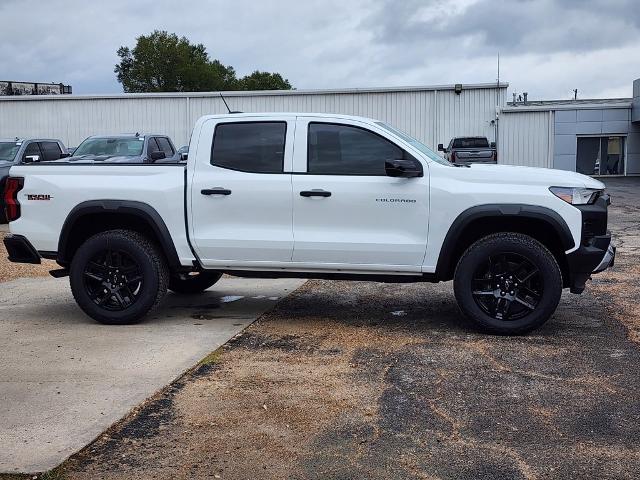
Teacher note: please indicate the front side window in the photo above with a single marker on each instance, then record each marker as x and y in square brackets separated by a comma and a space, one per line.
[335, 149]
[255, 147]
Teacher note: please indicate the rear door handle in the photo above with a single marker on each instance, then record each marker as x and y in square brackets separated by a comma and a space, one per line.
[315, 193]
[215, 191]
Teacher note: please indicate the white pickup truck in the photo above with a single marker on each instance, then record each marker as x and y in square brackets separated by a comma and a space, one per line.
[313, 196]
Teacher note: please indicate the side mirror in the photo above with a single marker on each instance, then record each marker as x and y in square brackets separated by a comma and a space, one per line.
[440, 147]
[157, 156]
[410, 168]
[31, 159]
[493, 144]
[65, 155]
[184, 156]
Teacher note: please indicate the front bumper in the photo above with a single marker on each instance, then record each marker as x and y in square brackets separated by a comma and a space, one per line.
[594, 257]
[20, 250]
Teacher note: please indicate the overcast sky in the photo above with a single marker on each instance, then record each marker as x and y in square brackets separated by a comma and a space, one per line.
[547, 47]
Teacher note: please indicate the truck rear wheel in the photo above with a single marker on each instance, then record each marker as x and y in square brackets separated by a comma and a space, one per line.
[194, 282]
[118, 276]
[508, 283]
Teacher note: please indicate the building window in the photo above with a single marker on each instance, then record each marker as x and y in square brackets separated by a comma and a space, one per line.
[600, 155]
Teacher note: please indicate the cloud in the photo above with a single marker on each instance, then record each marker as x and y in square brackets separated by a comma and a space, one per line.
[547, 47]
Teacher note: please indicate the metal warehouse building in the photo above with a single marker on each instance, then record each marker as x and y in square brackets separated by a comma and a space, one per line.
[589, 136]
[594, 137]
[432, 114]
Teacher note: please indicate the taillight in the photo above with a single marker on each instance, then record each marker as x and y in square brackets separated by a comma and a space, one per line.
[453, 156]
[12, 206]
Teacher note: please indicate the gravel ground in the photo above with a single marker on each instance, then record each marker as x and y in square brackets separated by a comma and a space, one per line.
[11, 271]
[366, 380]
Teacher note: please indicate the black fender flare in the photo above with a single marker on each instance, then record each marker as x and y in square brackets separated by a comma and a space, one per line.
[499, 210]
[142, 210]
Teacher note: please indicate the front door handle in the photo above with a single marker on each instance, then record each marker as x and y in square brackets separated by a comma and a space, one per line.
[215, 191]
[315, 193]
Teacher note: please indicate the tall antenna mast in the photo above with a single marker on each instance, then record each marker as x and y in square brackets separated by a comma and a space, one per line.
[226, 104]
[497, 99]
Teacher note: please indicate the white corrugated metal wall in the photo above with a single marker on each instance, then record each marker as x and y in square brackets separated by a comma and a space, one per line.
[526, 138]
[431, 114]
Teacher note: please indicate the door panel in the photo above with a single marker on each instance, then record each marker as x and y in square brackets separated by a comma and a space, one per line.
[366, 219]
[239, 217]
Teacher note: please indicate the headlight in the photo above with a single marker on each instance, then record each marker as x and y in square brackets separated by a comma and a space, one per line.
[576, 196]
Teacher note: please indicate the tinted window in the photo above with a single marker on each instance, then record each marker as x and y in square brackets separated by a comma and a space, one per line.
[345, 150]
[165, 146]
[32, 149]
[50, 150]
[152, 146]
[471, 143]
[250, 147]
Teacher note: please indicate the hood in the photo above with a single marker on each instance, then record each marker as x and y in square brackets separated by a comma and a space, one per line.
[511, 174]
[102, 159]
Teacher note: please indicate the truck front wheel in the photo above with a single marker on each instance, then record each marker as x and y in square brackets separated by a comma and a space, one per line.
[508, 283]
[118, 276]
[194, 282]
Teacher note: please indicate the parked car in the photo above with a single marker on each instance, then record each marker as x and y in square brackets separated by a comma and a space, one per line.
[355, 199]
[465, 150]
[24, 150]
[129, 148]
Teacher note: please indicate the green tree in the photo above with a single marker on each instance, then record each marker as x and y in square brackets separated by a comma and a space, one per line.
[264, 81]
[164, 62]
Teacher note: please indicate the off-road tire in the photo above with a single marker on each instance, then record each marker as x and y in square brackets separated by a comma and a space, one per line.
[153, 275]
[472, 299]
[189, 284]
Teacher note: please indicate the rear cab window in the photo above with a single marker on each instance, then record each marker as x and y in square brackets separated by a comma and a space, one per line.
[470, 143]
[253, 147]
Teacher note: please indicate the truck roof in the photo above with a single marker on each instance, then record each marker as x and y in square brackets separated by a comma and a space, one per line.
[291, 114]
[21, 140]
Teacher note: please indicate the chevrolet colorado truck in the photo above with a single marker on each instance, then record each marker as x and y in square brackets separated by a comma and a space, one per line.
[311, 196]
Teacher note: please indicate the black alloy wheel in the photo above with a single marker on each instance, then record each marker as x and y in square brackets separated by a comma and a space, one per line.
[508, 286]
[113, 279]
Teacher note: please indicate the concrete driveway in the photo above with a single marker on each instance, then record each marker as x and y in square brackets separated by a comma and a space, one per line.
[65, 378]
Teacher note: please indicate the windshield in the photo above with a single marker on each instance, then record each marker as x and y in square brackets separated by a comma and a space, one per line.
[8, 151]
[112, 146]
[416, 144]
[471, 142]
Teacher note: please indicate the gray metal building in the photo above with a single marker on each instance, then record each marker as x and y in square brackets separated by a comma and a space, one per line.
[594, 137]
[432, 114]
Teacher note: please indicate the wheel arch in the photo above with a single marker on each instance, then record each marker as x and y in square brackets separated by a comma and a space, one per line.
[95, 216]
[541, 223]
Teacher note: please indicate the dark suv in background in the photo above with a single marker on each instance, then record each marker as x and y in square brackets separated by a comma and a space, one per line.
[470, 150]
[26, 150]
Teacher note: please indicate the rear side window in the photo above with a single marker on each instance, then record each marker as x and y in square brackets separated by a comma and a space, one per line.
[165, 146]
[50, 150]
[32, 149]
[346, 150]
[256, 147]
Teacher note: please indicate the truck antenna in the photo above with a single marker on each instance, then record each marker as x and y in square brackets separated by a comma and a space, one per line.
[226, 104]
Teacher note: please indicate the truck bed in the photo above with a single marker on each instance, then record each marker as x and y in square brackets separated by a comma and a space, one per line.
[52, 191]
